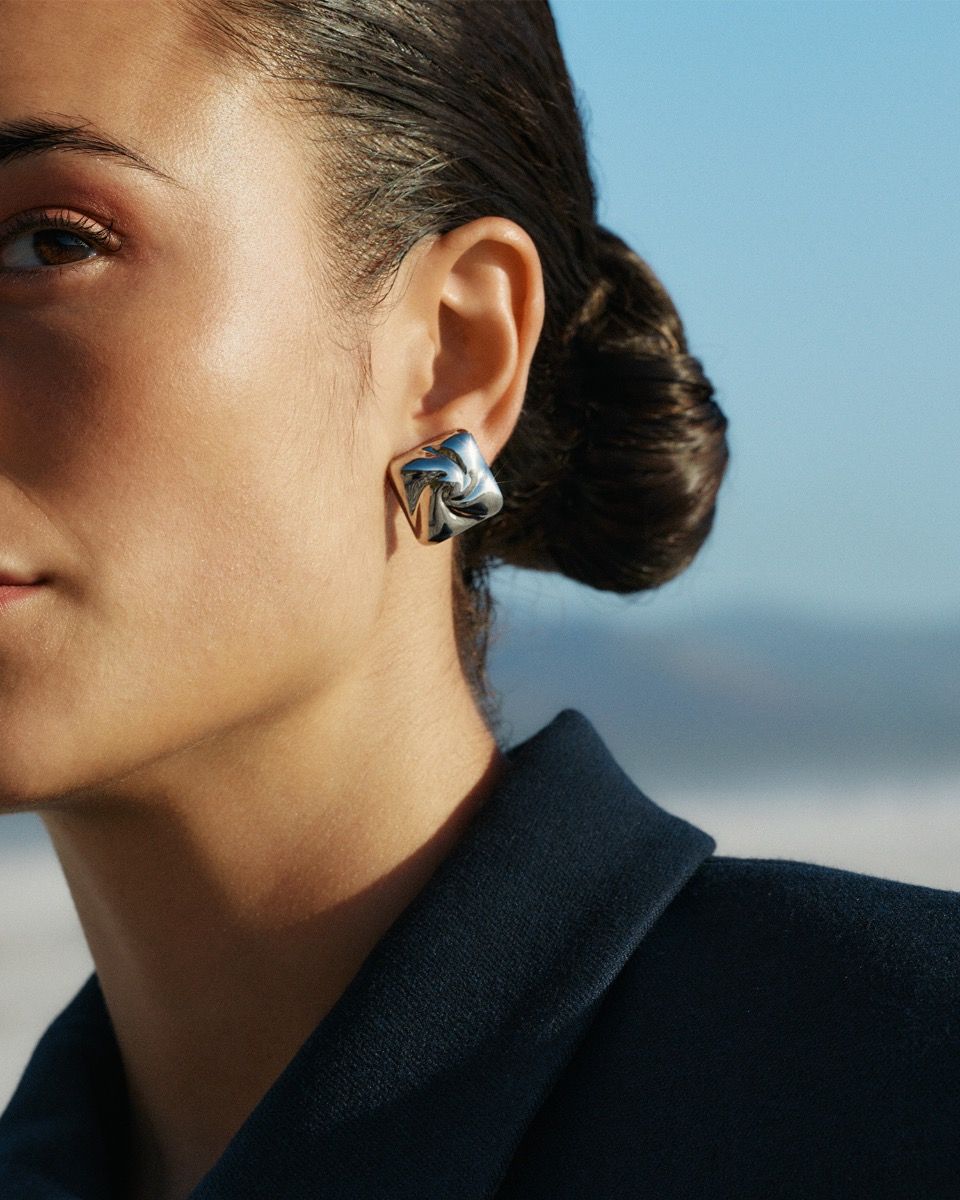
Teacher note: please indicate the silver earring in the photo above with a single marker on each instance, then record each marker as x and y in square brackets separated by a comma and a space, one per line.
[445, 486]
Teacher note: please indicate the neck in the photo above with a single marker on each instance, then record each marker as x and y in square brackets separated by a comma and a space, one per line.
[252, 874]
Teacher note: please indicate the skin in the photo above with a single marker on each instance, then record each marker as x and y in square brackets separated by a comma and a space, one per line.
[223, 699]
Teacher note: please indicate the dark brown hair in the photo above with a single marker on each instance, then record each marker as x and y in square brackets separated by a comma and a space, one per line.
[428, 114]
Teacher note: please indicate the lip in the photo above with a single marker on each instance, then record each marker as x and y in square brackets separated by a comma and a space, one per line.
[10, 593]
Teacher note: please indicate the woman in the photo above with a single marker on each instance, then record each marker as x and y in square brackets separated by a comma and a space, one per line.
[306, 322]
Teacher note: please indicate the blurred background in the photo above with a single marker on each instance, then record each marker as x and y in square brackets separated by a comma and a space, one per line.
[791, 171]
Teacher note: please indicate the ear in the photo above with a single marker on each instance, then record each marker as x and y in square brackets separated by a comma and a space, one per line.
[463, 333]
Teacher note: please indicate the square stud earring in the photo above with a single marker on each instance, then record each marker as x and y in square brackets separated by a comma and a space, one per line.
[445, 486]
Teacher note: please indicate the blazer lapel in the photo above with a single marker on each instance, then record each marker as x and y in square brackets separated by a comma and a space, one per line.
[420, 1081]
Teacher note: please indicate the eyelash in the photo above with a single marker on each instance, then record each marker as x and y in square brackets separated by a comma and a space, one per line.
[102, 236]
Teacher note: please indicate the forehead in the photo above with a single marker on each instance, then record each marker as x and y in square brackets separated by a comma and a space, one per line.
[135, 70]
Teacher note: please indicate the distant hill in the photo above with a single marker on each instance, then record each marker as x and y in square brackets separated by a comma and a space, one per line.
[740, 698]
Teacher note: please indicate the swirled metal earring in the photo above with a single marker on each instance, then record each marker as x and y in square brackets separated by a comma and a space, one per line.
[445, 486]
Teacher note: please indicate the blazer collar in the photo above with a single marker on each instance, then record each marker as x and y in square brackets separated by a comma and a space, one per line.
[422, 1078]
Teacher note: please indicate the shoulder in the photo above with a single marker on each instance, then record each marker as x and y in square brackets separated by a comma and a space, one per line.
[784, 1029]
[802, 913]
[811, 964]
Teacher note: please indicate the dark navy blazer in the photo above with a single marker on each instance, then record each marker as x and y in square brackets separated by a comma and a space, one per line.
[583, 1002]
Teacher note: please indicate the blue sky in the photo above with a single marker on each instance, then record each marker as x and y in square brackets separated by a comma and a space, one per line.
[792, 173]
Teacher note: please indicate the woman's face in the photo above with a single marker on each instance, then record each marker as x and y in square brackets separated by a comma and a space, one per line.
[178, 450]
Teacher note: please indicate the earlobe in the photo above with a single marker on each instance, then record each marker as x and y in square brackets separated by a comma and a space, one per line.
[445, 486]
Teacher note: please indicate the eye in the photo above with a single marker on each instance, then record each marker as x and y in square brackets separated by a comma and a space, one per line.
[34, 242]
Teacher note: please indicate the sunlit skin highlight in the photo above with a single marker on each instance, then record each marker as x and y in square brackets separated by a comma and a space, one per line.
[230, 701]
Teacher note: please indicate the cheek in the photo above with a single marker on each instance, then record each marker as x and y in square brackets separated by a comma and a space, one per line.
[222, 549]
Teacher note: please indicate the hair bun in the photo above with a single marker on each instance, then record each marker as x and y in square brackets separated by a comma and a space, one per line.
[627, 303]
[637, 441]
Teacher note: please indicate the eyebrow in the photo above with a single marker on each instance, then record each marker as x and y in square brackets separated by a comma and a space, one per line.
[29, 136]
